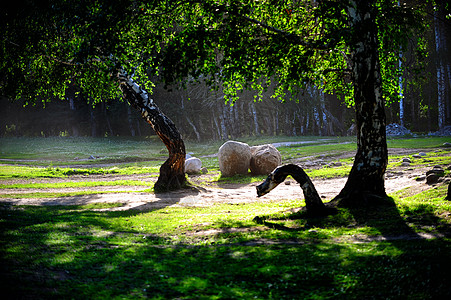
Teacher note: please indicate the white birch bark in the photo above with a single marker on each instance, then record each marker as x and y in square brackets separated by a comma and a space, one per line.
[401, 92]
[440, 48]
[254, 115]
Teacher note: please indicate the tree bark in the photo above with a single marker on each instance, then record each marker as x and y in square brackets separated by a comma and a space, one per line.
[172, 172]
[365, 183]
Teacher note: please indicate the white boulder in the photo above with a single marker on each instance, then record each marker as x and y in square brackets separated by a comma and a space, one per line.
[193, 165]
[234, 158]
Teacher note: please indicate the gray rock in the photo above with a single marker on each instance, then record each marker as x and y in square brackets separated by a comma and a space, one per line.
[447, 144]
[193, 165]
[234, 158]
[437, 171]
[406, 159]
[405, 164]
[445, 131]
[420, 178]
[432, 178]
[396, 130]
[422, 154]
[265, 159]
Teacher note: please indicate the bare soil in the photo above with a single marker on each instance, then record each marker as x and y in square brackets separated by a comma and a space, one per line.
[203, 193]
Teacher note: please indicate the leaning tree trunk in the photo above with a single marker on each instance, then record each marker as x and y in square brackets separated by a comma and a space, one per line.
[172, 172]
[366, 179]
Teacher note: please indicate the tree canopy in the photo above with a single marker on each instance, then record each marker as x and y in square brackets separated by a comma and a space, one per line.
[48, 46]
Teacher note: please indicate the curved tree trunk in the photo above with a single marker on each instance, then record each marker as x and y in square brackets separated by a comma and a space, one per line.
[313, 202]
[366, 179]
[172, 172]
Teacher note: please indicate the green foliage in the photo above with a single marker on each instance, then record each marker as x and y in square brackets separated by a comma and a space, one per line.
[60, 43]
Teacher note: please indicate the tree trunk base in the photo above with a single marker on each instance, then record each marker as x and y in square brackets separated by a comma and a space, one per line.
[359, 199]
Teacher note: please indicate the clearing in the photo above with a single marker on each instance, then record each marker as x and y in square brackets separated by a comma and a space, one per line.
[207, 190]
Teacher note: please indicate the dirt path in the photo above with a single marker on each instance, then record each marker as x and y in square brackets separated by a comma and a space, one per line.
[131, 197]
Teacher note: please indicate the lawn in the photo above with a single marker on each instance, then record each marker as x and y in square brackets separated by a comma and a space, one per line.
[220, 251]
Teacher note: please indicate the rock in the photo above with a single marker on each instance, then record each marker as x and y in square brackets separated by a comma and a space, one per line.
[432, 178]
[420, 178]
[234, 158]
[445, 131]
[437, 171]
[187, 156]
[396, 129]
[434, 175]
[416, 156]
[405, 164]
[91, 157]
[204, 170]
[446, 144]
[265, 159]
[422, 154]
[406, 159]
[193, 165]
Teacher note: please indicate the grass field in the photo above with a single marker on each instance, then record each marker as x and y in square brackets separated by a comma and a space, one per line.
[213, 252]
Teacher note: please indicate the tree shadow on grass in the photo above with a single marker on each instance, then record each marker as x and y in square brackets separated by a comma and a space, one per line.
[64, 252]
[384, 221]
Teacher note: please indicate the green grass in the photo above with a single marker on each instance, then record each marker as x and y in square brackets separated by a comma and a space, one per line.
[75, 184]
[11, 171]
[417, 143]
[45, 195]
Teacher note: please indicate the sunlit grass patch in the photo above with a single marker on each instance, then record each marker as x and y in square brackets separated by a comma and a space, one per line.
[76, 184]
[44, 195]
[439, 157]
[420, 142]
[329, 172]
[49, 172]
[427, 211]
[56, 172]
